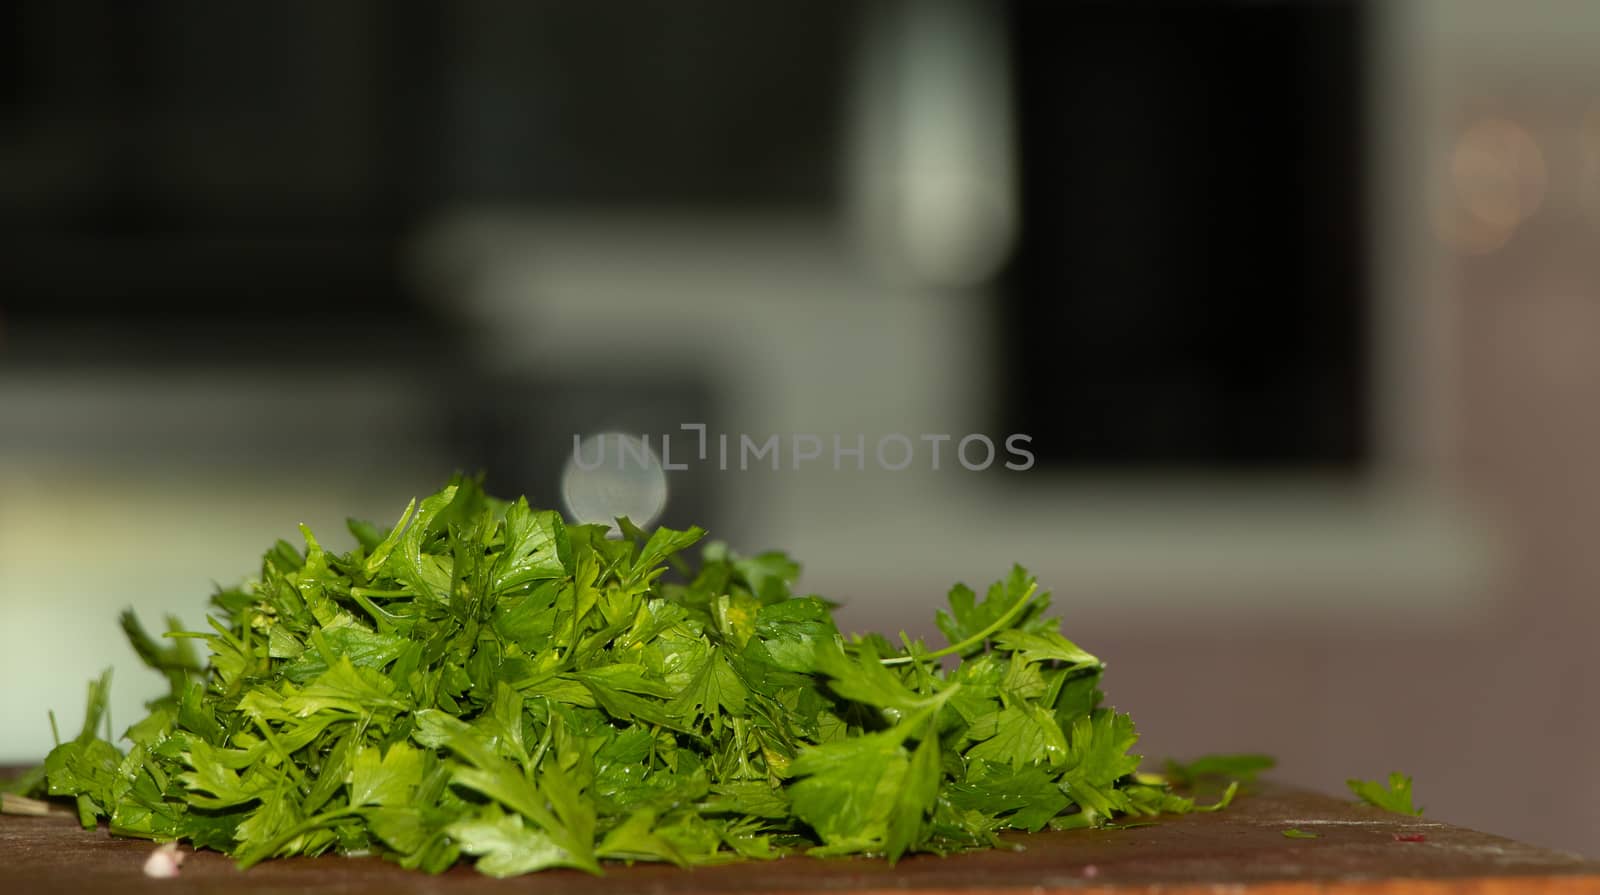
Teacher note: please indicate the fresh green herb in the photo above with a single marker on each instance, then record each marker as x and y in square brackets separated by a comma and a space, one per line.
[1299, 834]
[1395, 797]
[1243, 767]
[31, 780]
[484, 680]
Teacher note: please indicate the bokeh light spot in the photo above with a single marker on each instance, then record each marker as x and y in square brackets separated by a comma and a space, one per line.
[1497, 181]
[612, 474]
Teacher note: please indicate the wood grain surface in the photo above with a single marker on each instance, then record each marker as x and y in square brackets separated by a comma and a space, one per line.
[1241, 850]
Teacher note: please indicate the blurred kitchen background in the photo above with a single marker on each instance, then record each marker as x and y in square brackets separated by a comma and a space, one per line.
[1299, 303]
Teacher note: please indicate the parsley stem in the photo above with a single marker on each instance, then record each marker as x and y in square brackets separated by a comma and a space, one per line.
[249, 857]
[998, 624]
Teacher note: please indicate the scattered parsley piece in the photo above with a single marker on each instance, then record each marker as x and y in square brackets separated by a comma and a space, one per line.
[1395, 797]
[484, 682]
[1243, 767]
[1292, 833]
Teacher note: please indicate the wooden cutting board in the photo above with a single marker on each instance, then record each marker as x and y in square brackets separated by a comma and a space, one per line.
[1241, 851]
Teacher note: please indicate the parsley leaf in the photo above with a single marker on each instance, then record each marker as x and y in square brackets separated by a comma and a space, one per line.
[1395, 797]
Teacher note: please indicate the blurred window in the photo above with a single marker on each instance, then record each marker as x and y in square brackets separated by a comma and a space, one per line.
[1190, 286]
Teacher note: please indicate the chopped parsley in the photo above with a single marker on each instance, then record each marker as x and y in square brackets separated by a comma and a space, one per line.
[484, 681]
[1395, 797]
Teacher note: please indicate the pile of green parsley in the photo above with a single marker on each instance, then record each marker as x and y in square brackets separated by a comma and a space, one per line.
[484, 680]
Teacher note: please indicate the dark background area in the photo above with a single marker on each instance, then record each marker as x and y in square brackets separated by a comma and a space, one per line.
[1190, 283]
[240, 184]
[213, 161]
